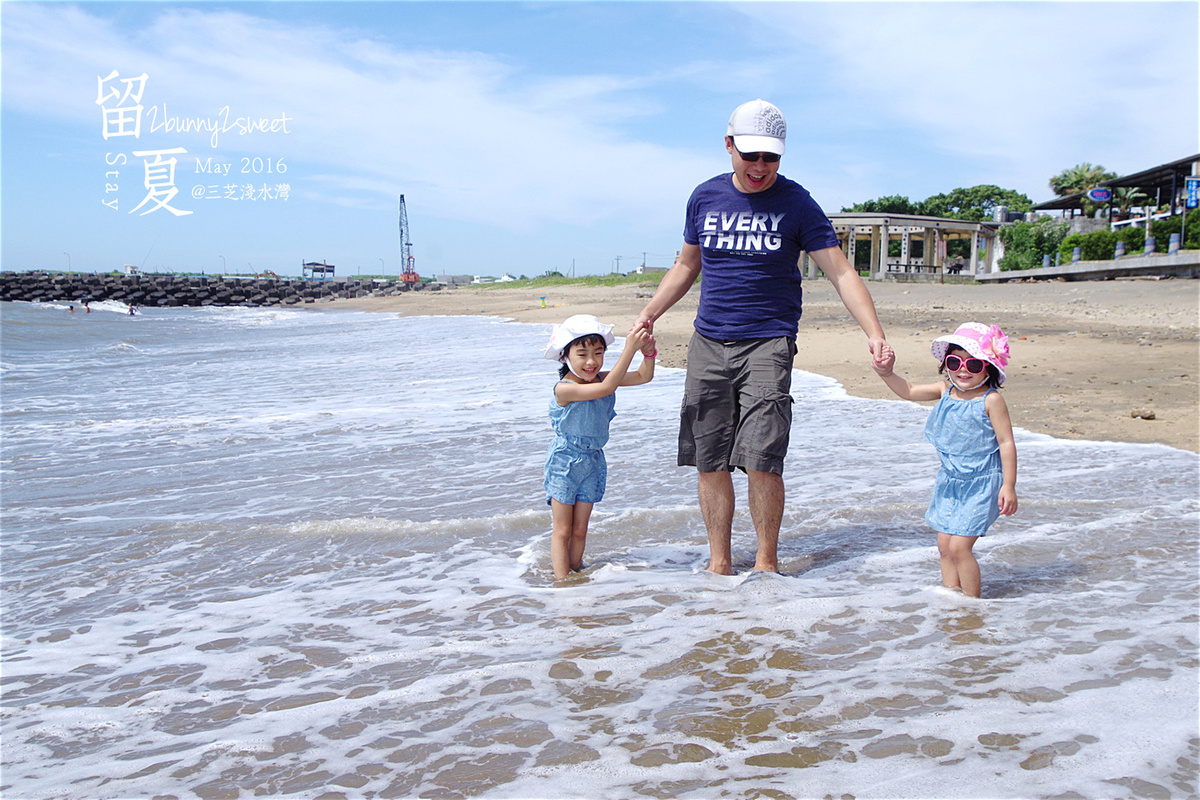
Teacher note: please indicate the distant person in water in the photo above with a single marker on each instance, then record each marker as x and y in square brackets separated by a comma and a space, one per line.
[580, 411]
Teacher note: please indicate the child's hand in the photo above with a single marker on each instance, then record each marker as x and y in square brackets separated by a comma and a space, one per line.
[1007, 501]
[885, 361]
[637, 338]
[650, 348]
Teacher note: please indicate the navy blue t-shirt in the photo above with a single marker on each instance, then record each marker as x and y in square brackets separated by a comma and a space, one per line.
[749, 248]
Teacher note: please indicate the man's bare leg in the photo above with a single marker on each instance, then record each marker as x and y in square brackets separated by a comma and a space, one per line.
[766, 510]
[716, 505]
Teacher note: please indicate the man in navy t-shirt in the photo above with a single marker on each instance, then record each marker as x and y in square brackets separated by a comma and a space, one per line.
[744, 233]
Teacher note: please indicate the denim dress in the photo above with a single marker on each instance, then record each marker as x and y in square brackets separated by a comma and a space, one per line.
[576, 471]
[967, 488]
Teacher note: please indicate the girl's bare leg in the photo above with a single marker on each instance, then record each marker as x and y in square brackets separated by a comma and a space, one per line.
[568, 537]
[949, 572]
[563, 517]
[960, 570]
[579, 529]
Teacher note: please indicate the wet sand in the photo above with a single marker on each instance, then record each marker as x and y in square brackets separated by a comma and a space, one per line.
[1085, 354]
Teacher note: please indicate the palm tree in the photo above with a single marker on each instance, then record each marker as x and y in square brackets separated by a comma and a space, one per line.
[1126, 198]
[1079, 179]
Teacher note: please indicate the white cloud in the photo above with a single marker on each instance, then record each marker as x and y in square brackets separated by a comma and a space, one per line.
[1022, 89]
[554, 153]
[460, 128]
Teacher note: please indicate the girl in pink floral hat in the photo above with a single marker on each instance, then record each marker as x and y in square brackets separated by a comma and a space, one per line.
[972, 431]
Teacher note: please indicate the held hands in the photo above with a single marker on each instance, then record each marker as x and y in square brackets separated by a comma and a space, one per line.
[641, 335]
[650, 348]
[884, 360]
[639, 338]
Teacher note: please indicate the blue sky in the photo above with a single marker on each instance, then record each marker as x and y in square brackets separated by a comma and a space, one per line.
[535, 136]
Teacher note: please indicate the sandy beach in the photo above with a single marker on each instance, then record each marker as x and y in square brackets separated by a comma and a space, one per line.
[1088, 357]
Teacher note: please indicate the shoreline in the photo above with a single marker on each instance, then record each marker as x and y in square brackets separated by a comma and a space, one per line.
[1085, 354]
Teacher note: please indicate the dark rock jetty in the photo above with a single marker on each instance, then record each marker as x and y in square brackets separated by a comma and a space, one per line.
[190, 290]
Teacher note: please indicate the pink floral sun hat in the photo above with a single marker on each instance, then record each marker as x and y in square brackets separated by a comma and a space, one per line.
[980, 341]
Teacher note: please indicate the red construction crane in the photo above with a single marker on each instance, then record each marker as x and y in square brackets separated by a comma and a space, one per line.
[409, 275]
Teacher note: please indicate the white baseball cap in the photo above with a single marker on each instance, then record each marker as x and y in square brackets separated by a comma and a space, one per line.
[757, 127]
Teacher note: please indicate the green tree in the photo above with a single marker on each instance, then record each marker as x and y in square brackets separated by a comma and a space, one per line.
[1079, 178]
[976, 203]
[1127, 198]
[891, 204]
[1026, 242]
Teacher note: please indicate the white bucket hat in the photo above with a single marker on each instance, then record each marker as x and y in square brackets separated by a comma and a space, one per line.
[573, 328]
[987, 342]
[757, 127]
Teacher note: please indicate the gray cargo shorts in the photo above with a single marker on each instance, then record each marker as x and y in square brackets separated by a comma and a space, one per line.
[737, 410]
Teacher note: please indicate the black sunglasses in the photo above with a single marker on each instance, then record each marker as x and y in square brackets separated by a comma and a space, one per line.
[974, 365]
[770, 158]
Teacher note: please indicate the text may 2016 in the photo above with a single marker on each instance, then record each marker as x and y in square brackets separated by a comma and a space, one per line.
[255, 166]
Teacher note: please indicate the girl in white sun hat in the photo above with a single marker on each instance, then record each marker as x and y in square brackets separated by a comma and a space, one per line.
[580, 411]
[972, 431]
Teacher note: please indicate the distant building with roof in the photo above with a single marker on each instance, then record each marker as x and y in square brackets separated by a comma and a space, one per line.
[928, 235]
[1164, 185]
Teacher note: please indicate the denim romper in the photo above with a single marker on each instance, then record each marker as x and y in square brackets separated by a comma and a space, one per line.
[968, 485]
[576, 471]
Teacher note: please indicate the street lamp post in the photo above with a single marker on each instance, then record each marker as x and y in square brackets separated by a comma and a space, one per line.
[68, 255]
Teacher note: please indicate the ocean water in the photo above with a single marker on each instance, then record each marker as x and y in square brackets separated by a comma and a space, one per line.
[304, 553]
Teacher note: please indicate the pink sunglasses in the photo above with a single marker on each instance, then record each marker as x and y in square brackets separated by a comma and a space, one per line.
[974, 365]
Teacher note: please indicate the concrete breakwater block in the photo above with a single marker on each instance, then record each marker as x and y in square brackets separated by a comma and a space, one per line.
[186, 290]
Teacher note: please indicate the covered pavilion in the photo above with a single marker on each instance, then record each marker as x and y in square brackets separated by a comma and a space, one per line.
[854, 229]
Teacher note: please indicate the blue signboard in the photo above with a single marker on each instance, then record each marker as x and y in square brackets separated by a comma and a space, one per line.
[1193, 192]
[1100, 194]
